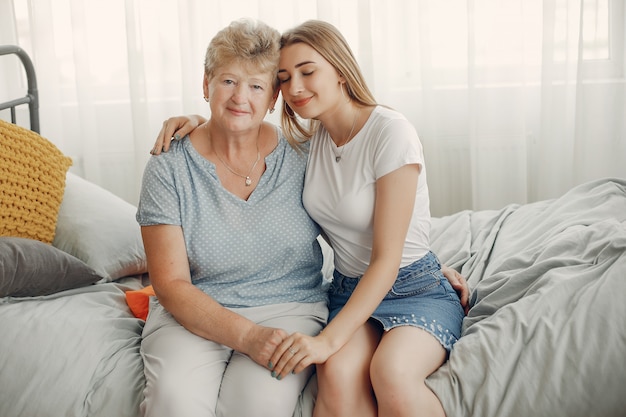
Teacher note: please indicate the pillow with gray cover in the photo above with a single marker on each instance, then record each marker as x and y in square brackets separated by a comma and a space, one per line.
[31, 268]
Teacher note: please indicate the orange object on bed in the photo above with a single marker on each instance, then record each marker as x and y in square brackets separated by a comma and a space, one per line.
[139, 301]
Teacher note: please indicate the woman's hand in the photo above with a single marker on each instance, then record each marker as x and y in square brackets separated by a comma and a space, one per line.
[175, 128]
[297, 352]
[459, 284]
[261, 342]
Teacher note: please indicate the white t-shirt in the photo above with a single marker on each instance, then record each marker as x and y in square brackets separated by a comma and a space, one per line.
[340, 196]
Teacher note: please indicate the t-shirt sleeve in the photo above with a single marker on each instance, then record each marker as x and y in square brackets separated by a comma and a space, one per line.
[159, 201]
[397, 145]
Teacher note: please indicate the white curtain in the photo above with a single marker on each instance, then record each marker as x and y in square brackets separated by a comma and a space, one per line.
[514, 100]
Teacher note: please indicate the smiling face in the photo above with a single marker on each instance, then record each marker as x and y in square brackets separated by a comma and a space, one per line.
[240, 96]
[309, 83]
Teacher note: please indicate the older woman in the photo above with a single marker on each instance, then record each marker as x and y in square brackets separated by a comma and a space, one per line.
[232, 254]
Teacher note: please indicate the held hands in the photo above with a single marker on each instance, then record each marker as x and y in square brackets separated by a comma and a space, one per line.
[262, 342]
[297, 352]
[175, 128]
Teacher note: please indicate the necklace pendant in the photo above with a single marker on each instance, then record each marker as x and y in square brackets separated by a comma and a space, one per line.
[248, 181]
[337, 158]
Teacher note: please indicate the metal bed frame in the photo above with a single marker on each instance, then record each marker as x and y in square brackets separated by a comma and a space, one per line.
[32, 96]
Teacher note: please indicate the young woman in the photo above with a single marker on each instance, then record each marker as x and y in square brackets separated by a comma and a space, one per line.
[393, 315]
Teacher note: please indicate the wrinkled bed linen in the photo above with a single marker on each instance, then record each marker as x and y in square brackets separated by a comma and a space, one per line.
[546, 334]
[74, 353]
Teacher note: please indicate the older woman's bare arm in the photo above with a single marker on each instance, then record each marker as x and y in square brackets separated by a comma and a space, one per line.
[192, 308]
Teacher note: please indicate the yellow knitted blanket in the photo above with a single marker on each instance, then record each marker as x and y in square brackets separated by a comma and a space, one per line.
[32, 183]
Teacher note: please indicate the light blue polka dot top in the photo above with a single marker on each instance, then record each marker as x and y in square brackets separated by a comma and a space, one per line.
[242, 253]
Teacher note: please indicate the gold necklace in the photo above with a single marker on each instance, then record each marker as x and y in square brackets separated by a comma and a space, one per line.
[338, 157]
[248, 181]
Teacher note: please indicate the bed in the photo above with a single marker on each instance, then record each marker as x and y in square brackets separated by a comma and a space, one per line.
[545, 336]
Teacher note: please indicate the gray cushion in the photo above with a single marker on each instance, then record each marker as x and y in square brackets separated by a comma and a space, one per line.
[30, 268]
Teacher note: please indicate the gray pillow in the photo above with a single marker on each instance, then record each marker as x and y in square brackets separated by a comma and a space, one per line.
[30, 268]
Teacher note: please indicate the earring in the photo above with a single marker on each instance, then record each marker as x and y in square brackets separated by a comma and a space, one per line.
[206, 99]
[272, 110]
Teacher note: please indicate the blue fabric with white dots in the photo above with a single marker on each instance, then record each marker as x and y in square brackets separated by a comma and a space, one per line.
[242, 253]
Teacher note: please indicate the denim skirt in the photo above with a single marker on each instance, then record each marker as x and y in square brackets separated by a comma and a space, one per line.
[421, 297]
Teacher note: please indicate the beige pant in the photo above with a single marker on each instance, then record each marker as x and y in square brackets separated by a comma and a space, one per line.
[187, 375]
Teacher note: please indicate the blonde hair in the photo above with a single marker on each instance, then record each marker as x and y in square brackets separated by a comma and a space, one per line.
[330, 44]
[246, 41]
